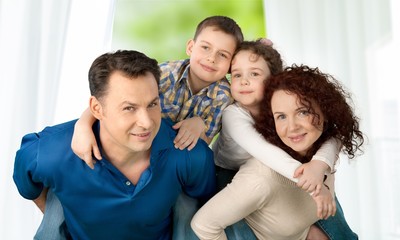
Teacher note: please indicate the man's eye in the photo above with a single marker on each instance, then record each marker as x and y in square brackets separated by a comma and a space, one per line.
[154, 104]
[129, 108]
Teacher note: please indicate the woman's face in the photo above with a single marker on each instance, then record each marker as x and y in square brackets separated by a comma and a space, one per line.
[248, 74]
[295, 125]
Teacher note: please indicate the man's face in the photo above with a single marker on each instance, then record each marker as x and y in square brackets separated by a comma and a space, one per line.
[129, 114]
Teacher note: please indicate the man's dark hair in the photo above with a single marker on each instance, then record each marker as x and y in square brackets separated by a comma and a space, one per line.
[128, 62]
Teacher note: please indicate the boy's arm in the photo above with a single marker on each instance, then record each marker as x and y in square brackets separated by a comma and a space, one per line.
[205, 127]
[83, 142]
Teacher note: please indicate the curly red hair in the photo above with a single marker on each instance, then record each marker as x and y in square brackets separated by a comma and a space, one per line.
[311, 85]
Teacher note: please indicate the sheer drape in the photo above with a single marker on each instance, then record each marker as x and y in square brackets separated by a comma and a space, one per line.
[46, 49]
[357, 42]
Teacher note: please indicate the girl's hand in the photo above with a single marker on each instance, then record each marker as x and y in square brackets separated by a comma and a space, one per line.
[326, 205]
[311, 176]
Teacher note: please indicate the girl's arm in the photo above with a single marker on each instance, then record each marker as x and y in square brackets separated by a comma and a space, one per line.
[239, 125]
[83, 142]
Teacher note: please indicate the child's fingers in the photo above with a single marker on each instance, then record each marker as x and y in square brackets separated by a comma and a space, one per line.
[96, 152]
[87, 158]
[192, 145]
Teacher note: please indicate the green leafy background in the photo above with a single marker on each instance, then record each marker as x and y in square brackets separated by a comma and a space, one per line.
[161, 28]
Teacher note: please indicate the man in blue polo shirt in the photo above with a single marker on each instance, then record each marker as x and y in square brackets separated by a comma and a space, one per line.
[131, 192]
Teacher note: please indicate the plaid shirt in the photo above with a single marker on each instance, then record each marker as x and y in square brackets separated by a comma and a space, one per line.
[178, 102]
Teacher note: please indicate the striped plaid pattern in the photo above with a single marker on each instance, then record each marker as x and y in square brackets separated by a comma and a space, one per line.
[178, 102]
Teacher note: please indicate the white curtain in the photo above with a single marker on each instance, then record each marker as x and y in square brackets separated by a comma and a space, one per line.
[357, 41]
[46, 49]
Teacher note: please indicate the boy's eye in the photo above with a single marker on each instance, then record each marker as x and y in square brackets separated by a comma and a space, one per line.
[205, 47]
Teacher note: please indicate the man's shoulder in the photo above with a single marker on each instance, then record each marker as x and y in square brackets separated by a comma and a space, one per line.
[51, 136]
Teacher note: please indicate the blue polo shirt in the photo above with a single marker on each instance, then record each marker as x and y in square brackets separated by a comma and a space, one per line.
[102, 203]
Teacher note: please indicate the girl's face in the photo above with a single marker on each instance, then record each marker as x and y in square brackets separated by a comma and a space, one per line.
[296, 127]
[248, 73]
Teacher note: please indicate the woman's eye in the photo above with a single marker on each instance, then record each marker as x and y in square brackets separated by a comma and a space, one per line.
[304, 113]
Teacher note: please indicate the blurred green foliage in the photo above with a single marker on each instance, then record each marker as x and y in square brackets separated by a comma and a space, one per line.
[161, 28]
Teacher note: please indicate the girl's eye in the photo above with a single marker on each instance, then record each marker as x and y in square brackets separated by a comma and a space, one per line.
[223, 55]
[236, 76]
[254, 74]
[205, 47]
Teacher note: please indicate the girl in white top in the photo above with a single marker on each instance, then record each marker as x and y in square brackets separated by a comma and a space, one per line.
[271, 204]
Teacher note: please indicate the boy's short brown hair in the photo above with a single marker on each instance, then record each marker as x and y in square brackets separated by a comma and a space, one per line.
[223, 23]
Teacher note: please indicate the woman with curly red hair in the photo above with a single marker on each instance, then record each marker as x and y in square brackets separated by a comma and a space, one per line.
[299, 109]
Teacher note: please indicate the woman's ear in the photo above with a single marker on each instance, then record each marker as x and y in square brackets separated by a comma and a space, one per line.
[96, 108]
[189, 47]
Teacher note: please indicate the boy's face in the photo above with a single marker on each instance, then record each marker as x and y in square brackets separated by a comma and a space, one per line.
[248, 74]
[129, 114]
[210, 56]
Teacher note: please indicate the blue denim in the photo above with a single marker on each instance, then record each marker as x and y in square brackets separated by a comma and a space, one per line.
[336, 227]
[53, 224]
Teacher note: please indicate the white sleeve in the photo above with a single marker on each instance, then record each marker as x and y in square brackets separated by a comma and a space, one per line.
[240, 128]
[328, 153]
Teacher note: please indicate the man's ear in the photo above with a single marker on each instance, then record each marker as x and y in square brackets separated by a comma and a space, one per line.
[189, 47]
[96, 108]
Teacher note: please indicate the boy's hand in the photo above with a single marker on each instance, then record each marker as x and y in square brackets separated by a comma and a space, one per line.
[326, 205]
[84, 142]
[311, 176]
[189, 132]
